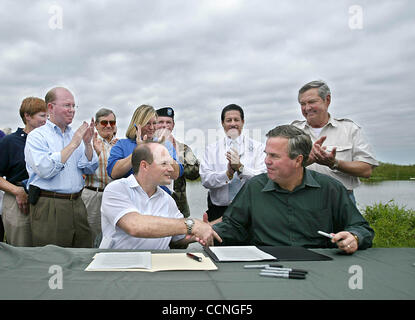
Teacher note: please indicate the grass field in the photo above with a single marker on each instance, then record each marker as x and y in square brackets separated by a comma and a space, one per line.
[388, 171]
[394, 225]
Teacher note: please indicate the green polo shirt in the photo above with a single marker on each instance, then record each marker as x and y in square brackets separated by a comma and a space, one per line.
[262, 213]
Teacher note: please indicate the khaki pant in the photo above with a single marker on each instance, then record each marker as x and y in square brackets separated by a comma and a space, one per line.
[16, 223]
[61, 222]
[93, 200]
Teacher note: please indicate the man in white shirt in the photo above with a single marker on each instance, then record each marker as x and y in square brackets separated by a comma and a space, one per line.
[346, 155]
[138, 214]
[230, 162]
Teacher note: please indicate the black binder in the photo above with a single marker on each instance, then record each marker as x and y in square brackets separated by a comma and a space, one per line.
[288, 253]
[284, 253]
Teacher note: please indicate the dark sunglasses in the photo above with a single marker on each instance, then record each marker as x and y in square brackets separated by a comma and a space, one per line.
[105, 123]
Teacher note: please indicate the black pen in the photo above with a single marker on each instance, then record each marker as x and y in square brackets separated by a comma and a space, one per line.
[192, 256]
[286, 269]
[261, 266]
[288, 275]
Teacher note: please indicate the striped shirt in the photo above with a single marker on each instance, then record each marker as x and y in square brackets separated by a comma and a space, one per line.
[100, 178]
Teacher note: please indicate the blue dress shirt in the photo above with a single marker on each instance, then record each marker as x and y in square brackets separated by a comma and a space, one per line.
[43, 160]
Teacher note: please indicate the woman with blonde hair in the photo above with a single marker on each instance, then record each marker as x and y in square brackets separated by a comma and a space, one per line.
[142, 127]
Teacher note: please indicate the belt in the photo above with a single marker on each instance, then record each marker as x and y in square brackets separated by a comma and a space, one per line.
[68, 196]
[95, 189]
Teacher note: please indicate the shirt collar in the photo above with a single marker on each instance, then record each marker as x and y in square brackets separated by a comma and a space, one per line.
[20, 132]
[133, 183]
[308, 181]
[56, 128]
[331, 122]
[239, 140]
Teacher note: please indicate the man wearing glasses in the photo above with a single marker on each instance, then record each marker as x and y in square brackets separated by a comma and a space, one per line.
[57, 157]
[103, 140]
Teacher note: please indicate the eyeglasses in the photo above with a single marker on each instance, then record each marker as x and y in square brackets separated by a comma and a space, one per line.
[105, 123]
[67, 105]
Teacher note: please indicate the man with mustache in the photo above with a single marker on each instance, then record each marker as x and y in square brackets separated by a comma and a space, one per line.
[229, 162]
[57, 157]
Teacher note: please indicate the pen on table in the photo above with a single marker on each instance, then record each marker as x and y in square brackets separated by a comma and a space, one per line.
[273, 267]
[261, 266]
[286, 269]
[283, 275]
[192, 256]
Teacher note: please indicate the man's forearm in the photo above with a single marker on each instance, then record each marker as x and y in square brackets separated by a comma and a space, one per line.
[89, 152]
[355, 168]
[121, 167]
[67, 152]
[143, 226]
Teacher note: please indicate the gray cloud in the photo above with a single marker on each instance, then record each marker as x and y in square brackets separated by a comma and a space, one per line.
[202, 55]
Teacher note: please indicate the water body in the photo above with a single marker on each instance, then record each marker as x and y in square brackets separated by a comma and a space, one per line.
[401, 192]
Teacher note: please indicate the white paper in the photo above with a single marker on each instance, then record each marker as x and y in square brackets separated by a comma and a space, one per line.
[240, 253]
[121, 260]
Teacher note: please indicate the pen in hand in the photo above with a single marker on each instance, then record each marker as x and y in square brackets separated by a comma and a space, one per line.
[324, 234]
[192, 256]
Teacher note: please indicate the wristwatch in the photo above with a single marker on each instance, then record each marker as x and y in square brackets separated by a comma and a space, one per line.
[189, 222]
[240, 169]
[335, 166]
[356, 237]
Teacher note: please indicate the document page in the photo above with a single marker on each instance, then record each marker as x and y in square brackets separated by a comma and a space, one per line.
[240, 253]
[120, 260]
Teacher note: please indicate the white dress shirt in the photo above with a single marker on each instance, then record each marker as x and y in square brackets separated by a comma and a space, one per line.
[214, 165]
[126, 195]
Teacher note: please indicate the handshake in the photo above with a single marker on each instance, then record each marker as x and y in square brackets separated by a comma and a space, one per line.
[201, 231]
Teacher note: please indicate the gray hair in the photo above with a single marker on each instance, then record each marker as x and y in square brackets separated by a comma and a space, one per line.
[299, 143]
[323, 89]
[103, 112]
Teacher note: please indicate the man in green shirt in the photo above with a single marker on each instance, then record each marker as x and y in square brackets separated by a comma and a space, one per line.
[289, 204]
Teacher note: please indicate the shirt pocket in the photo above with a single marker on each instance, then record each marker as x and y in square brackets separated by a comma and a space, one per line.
[343, 152]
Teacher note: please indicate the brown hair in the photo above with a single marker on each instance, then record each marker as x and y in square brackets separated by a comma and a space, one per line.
[142, 153]
[31, 106]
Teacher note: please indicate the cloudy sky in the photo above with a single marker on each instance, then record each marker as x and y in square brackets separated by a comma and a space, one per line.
[200, 55]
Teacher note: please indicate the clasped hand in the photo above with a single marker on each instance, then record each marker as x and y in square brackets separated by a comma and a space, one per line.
[320, 155]
[233, 158]
[84, 133]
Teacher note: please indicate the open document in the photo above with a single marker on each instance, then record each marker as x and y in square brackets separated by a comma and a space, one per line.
[158, 262]
[109, 261]
[238, 253]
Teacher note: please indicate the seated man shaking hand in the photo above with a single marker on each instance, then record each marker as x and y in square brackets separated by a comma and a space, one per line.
[288, 205]
[138, 214]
